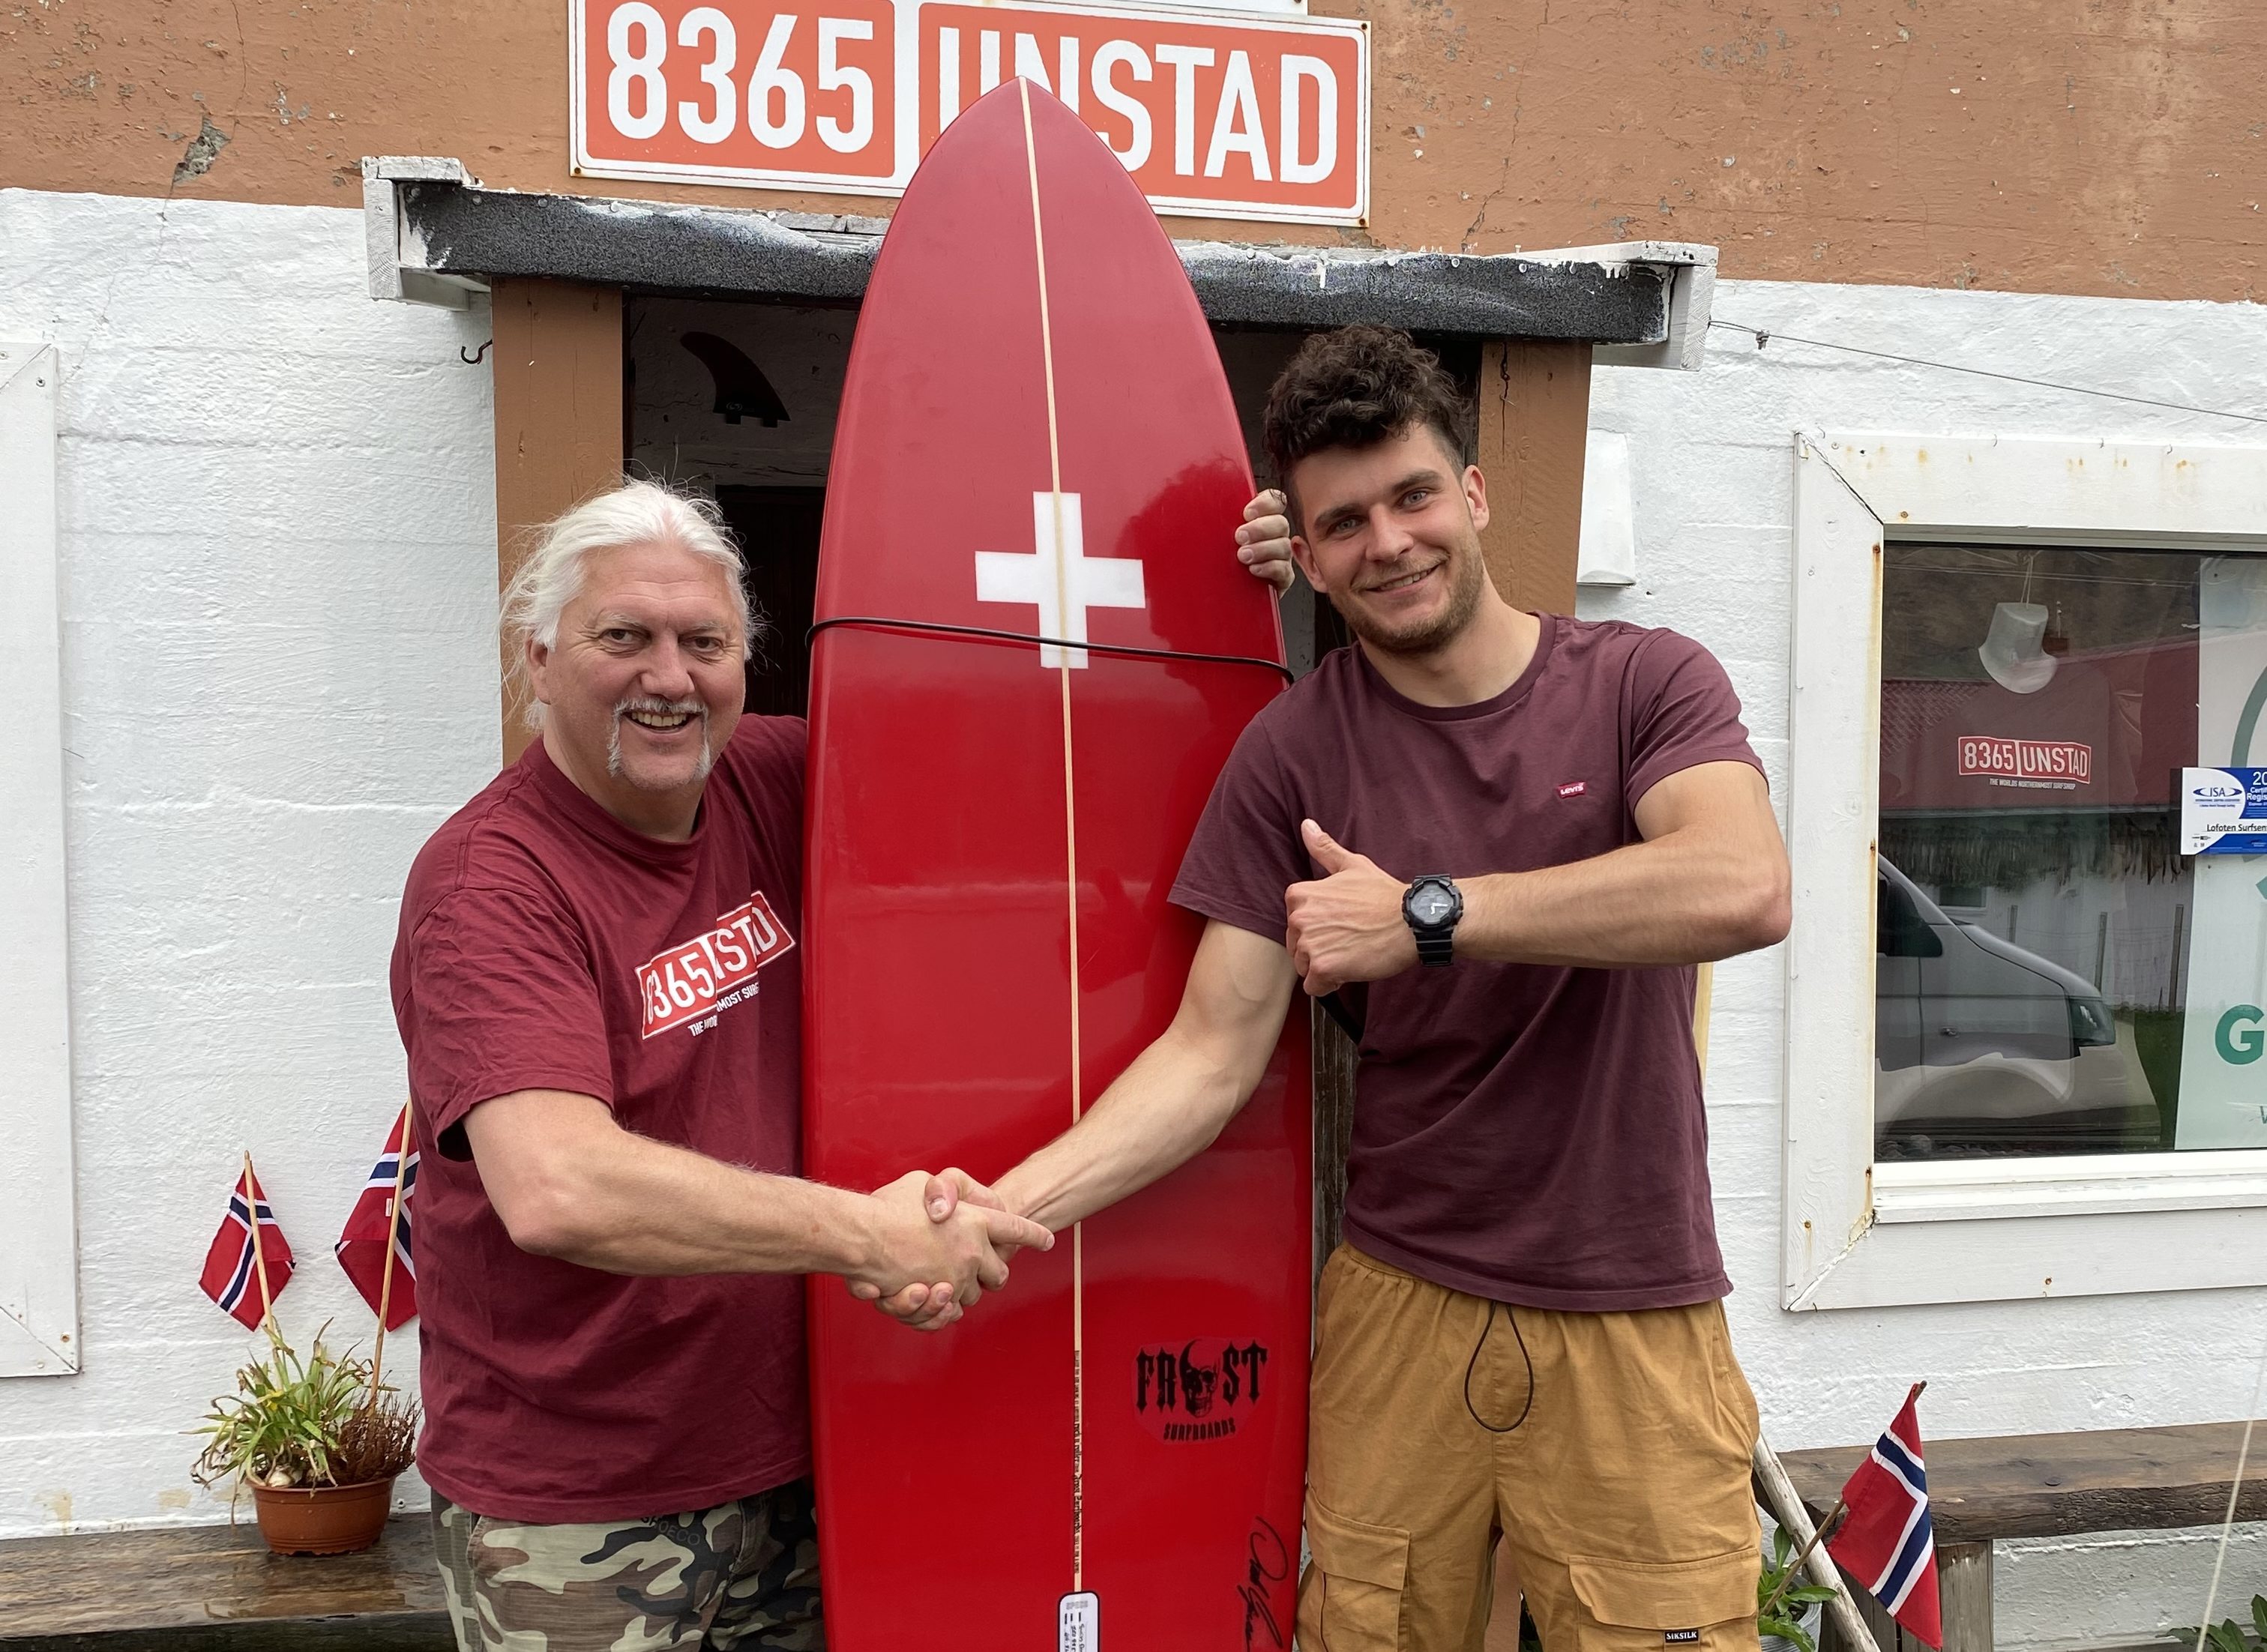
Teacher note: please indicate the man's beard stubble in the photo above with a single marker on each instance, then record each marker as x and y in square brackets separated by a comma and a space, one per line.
[692, 708]
[1468, 571]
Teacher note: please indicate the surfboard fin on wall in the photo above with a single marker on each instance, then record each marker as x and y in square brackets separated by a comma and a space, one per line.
[741, 390]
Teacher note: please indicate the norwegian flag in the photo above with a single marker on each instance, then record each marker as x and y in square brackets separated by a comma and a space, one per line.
[362, 1243]
[1886, 1543]
[231, 1275]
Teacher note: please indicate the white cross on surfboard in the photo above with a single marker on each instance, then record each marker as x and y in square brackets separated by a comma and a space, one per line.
[1059, 578]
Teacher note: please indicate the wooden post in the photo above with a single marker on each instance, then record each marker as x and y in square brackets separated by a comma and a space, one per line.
[1964, 1584]
[1534, 426]
[559, 418]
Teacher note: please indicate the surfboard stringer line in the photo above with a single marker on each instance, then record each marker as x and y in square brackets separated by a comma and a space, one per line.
[1070, 844]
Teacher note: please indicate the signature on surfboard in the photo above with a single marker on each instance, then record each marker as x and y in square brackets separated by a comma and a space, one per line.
[1267, 1562]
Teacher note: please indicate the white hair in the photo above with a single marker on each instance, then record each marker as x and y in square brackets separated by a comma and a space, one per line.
[630, 513]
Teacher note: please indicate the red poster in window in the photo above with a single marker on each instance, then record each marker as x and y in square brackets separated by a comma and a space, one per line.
[2107, 730]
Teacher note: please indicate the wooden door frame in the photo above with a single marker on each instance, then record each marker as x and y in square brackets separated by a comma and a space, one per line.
[562, 422]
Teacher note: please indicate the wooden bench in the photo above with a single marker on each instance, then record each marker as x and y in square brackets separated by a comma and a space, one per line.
[216, 1589]
[2046, 1485]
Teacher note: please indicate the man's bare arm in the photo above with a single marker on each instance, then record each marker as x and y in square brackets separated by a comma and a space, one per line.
[1709, 880]
[1167, 1106]
[568, 1181]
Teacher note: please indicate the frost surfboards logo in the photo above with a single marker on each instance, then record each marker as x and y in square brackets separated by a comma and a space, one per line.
[694, 979]
[1203, 1389]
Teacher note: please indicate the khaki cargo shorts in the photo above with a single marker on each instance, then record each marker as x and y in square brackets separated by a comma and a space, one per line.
[739, 1576]
[1609, 1450]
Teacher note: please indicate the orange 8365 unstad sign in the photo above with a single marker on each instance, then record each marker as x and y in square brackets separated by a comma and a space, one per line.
[1252, 116]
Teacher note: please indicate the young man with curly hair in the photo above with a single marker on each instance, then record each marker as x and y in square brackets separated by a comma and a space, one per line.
[1505, 840]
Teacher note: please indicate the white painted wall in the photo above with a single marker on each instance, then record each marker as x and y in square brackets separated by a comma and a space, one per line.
[1712, 456]
[278, 595]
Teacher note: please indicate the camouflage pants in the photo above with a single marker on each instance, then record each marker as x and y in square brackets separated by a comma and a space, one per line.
[735, 1578]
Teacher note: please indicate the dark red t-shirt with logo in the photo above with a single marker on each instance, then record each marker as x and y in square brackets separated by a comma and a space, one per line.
[545, 945]
[1529, 1133]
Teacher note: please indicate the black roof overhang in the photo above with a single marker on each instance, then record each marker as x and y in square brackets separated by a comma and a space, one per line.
[482, 234]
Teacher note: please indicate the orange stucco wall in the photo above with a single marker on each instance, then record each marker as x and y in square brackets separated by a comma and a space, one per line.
[2093, 146]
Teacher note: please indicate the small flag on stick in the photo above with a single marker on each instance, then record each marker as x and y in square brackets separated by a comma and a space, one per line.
[384, 1205]
[243, 1275]
[1886, 1543]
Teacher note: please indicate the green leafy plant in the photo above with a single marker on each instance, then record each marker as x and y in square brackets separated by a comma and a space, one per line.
[297, 1421]
[1783, 1600]
[2227, 1635]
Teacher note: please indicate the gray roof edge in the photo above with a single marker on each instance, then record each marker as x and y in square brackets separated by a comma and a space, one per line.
[463, 233]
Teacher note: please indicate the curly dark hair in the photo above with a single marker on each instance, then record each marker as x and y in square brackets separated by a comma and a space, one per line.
[1357, 387]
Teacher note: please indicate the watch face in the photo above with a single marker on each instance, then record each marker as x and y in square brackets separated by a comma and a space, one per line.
[1431, 905]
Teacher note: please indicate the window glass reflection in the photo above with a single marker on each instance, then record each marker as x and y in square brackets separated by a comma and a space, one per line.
[2035, 919]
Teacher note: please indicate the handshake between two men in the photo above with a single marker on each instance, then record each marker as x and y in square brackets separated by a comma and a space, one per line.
[927, 1279]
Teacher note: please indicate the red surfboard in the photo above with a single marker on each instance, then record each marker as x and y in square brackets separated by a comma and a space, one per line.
[1036, 438]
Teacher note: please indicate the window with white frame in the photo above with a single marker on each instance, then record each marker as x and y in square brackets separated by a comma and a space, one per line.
[39, 1281]
[2024, 1029]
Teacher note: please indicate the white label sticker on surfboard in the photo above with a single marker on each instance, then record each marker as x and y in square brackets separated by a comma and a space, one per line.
[1079, 1622]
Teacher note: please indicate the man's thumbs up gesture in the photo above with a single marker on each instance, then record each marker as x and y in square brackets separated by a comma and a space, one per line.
[1347, 926]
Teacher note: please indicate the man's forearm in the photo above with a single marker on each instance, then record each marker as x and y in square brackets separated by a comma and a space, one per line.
[1164, 1110]
[625, 1204]
[709, 1217]
[1687, 898]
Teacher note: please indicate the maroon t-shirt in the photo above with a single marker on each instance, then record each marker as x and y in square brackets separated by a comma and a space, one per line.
[545, 945]
[1526, 1132]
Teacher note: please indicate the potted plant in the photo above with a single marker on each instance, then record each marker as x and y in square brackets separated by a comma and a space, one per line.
[319, 1441]
[1788, 1608]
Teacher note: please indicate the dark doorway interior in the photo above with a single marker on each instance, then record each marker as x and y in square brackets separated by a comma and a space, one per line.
[777, 531]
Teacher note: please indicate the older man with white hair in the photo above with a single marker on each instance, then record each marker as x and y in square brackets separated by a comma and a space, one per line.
[595, 981]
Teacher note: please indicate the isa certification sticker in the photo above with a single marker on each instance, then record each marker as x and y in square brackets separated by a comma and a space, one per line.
[1079, 1623]
[2224, 811]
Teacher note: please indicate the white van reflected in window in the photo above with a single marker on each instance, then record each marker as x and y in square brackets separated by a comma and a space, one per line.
[1982, 1048]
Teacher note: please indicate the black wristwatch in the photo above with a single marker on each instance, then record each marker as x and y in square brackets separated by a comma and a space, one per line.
[1431, 907]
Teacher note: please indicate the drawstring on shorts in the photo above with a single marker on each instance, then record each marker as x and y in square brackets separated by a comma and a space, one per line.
[1472, 1364]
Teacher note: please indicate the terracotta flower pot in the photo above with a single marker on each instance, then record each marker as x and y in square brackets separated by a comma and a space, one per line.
[323, 1519]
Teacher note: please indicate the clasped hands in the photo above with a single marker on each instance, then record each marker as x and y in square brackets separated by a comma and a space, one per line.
[939, 1243]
